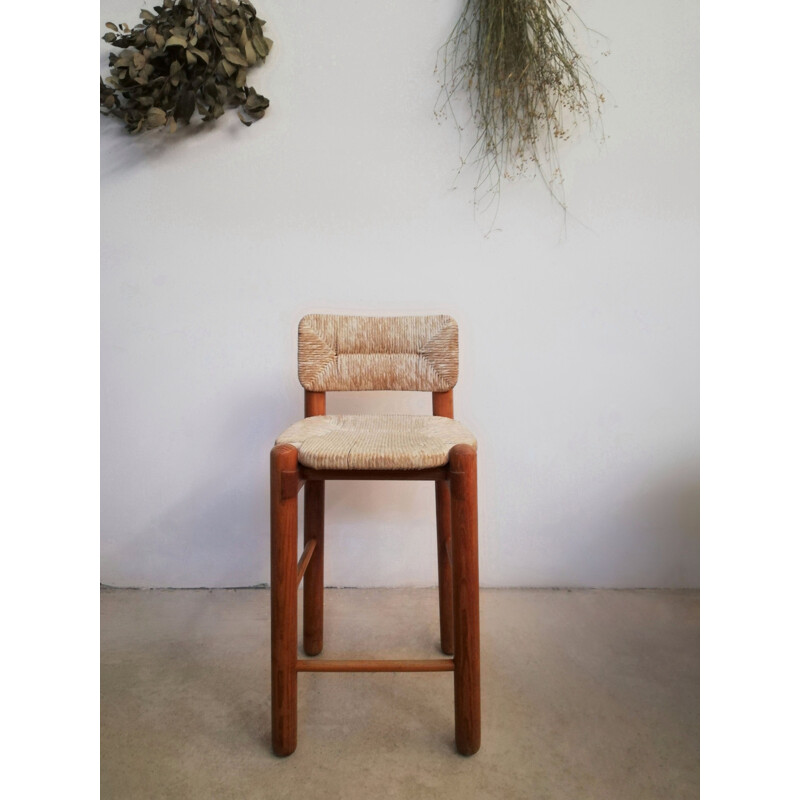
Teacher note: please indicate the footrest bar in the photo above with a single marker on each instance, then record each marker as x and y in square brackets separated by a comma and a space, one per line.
[322, 665]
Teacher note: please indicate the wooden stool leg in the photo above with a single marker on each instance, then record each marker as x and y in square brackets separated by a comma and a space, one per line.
[464, 490]
[445, 572]
[283, 591]
[313, 581]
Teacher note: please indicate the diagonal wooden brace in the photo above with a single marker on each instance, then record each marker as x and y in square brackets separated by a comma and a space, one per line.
[305, 559]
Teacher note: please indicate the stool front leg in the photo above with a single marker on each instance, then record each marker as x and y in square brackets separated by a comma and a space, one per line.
[444, 551]
[283, 591]
[314, 579]
[466, 679]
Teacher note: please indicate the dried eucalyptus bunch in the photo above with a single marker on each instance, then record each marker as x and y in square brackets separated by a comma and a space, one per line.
[527, 86]
[185, 55]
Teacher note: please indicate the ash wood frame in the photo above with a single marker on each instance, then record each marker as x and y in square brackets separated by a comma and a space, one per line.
[457, 551]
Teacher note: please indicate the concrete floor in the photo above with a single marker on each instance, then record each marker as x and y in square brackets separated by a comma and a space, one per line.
[586, 694]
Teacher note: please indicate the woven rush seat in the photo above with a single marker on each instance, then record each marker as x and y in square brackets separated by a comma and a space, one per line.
[375, 441]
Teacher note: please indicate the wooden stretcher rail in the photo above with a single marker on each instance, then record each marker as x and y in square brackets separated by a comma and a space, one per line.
[425, 665]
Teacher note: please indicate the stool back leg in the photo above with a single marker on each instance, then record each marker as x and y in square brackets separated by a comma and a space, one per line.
[283, 592]
[445, 570]
[314, 581]
[464, 500]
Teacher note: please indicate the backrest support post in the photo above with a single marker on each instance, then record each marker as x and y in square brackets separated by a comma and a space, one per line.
[315, 404]
[443, 404]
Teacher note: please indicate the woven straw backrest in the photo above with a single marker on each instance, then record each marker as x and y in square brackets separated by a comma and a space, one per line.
[338, 353]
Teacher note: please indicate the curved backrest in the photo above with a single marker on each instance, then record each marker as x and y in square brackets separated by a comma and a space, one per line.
[357, 354]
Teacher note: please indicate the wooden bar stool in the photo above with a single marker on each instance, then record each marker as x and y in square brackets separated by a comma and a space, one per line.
[343, 353]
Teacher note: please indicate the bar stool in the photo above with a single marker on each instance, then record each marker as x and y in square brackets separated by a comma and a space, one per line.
[347, 353]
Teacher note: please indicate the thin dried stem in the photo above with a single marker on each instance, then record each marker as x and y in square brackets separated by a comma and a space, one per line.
[527, 87]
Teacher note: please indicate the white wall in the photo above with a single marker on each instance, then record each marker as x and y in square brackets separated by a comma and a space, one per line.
[579, 339]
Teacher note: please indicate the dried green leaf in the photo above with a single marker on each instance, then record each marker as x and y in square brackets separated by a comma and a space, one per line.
[184, 107]
[234, 56]
[109, 37]
[156, 117]
[111, 26]
[255, 102]
[199, 54]
[241, 78]
[250, 54]
[177, 41]
[146, 15]
[260, 46]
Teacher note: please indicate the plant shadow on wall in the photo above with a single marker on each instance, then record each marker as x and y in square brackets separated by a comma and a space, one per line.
[526, 87]
[186, 59]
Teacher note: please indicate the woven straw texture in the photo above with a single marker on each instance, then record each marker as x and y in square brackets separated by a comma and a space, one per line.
[375, 441]
[340, 353]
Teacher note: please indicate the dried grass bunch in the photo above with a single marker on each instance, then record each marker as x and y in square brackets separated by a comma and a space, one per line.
[527, 87]
[188, 55]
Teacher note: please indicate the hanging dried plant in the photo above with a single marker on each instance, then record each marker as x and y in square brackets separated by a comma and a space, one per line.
[527, 87]
[185, 55]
